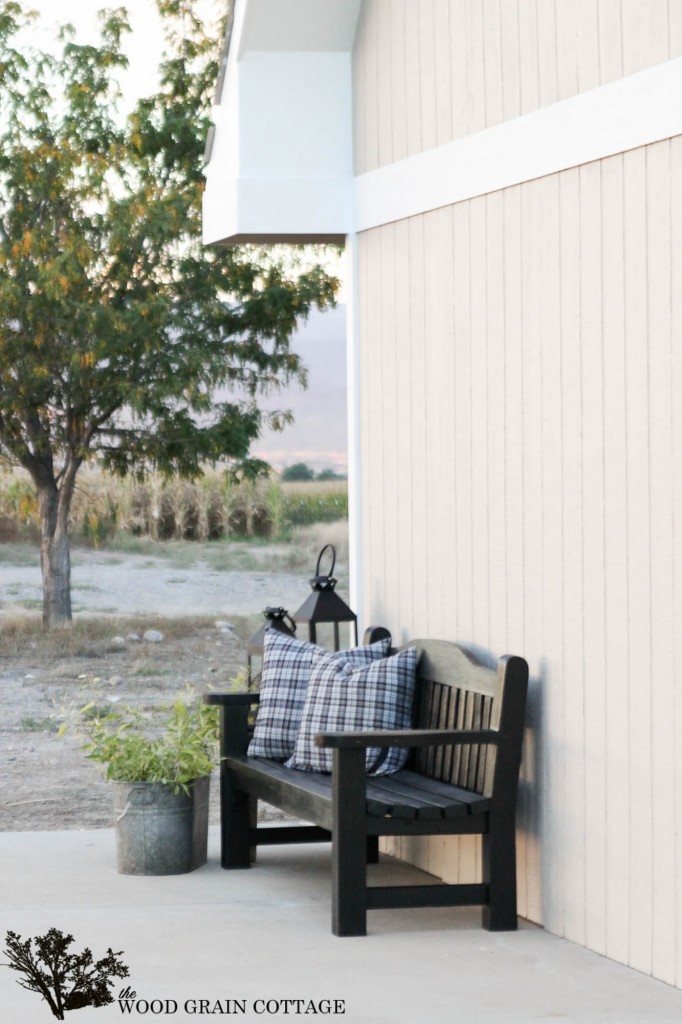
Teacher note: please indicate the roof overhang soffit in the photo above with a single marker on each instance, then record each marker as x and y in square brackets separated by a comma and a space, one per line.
[280, 162]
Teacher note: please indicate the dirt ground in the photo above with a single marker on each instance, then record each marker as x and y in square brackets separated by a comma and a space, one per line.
[45, 781]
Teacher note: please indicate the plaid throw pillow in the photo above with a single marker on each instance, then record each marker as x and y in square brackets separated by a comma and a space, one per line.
[342, 698]
[284, 682]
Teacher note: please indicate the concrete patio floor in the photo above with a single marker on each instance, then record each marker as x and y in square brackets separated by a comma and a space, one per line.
[217, 944]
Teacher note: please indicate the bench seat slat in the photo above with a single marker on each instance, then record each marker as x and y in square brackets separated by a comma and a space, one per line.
[311, 782]
[396, 801]
[429, 805]
[474, 803]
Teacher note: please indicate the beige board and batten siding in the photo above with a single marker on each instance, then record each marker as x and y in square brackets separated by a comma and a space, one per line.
[427, 72]
[521, 430]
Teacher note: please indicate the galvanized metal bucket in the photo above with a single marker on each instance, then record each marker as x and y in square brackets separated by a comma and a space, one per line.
[159, 832]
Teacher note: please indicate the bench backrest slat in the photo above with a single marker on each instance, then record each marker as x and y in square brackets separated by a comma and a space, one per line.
[454, 691]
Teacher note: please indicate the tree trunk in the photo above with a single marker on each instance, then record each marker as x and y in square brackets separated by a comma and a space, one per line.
[55, 560]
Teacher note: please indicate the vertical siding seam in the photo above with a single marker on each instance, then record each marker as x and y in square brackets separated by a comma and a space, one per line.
[381, 340]
[523, 412]
[468, 72]
[486, 418]
[518, 50]
[417, 26]
[556, 49]
[503, 283]
[502, 85]
[388, 71]
[677, 755]
[622, 48]
[472, 577]
[410, 376]
[628, 644]
[376, 50]
[455, 517]
[452, 97]
[600, 77]
[405, 105]
[396, 430]
[560, 899]
[537, 65]
[622, 44]
[428, 546]
[483, 65]
[524, 567]
[604, 666]
[540, 640]
[607, 681]
[436, 139]
[448, 346]
[581, 446]
[555, 93]
[647, 259]
[672, 508]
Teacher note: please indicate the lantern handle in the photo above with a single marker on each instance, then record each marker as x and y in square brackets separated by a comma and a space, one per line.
[319, 559]
[287, 618]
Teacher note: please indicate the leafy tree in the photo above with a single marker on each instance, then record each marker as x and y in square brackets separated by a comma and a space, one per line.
[65, 980]
[299, 471]
[329, 474]
[117, 328]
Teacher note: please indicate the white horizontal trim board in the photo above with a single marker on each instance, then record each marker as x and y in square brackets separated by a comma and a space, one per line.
[624, 115]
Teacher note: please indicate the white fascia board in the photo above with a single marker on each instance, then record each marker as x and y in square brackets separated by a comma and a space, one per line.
[281, 156]
[261, 209]
[632, 112]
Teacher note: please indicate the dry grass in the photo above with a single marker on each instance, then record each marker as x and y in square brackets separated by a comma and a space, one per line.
[90, 637]
[210, 508]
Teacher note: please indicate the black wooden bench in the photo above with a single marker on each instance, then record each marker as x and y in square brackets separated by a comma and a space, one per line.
[461, 779]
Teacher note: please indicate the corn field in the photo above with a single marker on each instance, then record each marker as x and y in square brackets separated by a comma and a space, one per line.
[207, 509]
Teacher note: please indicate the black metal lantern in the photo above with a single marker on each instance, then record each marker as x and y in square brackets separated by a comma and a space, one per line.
[277, 619]
[324, 605]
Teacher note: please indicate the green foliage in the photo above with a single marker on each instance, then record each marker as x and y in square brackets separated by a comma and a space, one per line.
[298, 472]
[302, 509]
[122, 338]
[173, 743]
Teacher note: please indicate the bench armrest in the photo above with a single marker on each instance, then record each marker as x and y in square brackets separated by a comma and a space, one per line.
[231, 699]
[406, 738]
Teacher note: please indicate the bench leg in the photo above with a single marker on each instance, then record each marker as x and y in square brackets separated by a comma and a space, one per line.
[236, 814]
[499, 873]
[349, 844]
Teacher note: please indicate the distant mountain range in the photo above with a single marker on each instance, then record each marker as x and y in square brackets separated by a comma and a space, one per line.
[318, 435]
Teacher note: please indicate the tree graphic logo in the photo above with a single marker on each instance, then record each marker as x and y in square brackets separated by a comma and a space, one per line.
[65, 980]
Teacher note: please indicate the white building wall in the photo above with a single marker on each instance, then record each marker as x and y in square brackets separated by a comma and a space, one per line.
[432, 71]
[521, 439]
[521, 394]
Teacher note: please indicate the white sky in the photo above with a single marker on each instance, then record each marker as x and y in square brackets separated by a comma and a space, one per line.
[143, 46]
